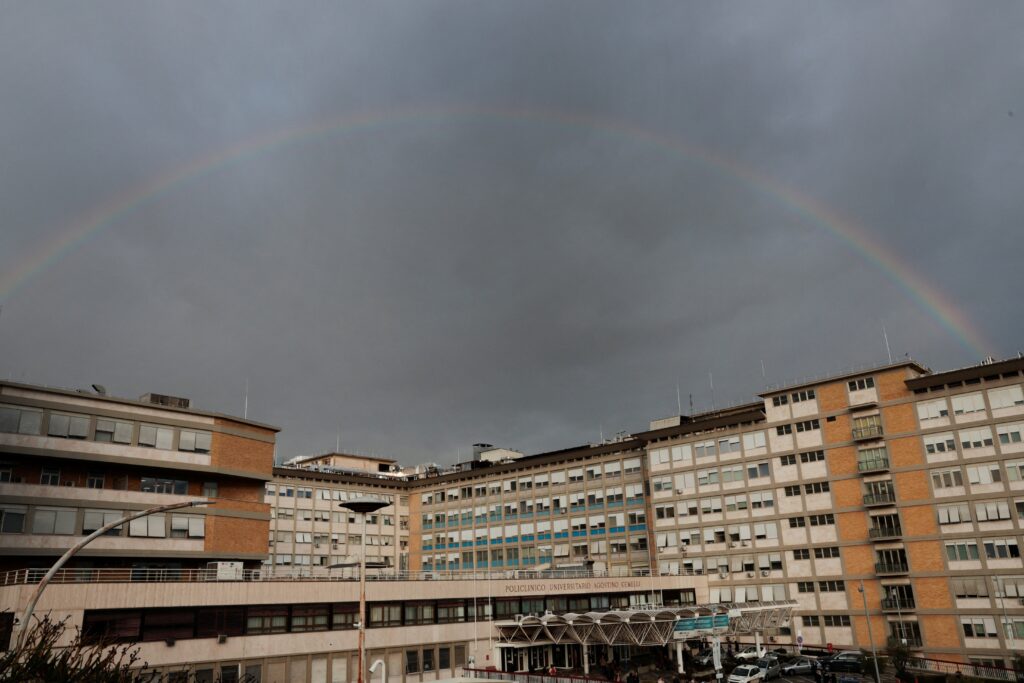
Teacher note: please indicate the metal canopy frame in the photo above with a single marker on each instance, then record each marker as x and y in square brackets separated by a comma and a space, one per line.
[651, 625]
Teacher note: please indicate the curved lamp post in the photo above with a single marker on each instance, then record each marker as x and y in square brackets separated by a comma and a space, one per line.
[81, 544]
[383, 670]
[364, 506]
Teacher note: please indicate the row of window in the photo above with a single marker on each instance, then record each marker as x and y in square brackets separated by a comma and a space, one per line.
[972, 404]
[19, 420]
[608, 470]
[802, 426]
[1007, 434]
[17, 519]
[993, 548]
[796, 397]
[309, 493]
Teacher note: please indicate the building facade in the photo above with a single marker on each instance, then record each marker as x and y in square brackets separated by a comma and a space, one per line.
[893, 495]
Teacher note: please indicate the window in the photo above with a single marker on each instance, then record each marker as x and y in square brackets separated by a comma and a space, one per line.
[974, 587]
[805, 587]
[809, 620]
[837, 620]
[979, 627]
[1006, 397]
[1001, 549]
[762, 499]
[153, 526]
[1010, 433]
[992, 511]
[962, 551]
[152, 436]
[154, 485]
[46, 520]
[95, 519]
[812, 456]
[575, 475]
[826, 553]
[806, 395]
[198, 442]
[266, 619]
[94, 480]
[932, 410]
[113, 431]
[782, 430]
[444, 658]
[729, 444]
[940, 443]
[629, 466]
[209, 489]
[188, 526]
[801, 554]
[780, 400]
[945, 479]
[792, 490]
[707, 477]
[808, 425]
[50, 476]
[753, 440]
[797, 522]
[954, 514]
[975, 438]
[989, 473]
[966, 404]
[787, 460]
[831, 586]
[757, 470]
[816, 487]
[20, 420]
[111, 626]
[823, 520]
[861, 384]
[68, 426]
[428, 660]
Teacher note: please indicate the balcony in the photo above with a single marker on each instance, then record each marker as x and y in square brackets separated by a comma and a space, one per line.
[889, 568]
[884, 532]
[897, 604]
[879, 498]
[867, 432]
[876, 464]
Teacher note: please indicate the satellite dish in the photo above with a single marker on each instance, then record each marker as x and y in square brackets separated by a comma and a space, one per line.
[99, 389]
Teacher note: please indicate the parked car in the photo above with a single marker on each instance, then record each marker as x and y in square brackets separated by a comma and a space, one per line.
[769, 666]
[749, 654]
[799, 665]
[852, 662]
[705, 657]
[746, 673]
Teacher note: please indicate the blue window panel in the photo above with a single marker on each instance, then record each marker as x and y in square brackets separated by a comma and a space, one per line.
[637, 527]
[617, 530]
[527, 537]
[597, 532]
[579, 533]
[428, 546]
[495, 541]
[562, 534]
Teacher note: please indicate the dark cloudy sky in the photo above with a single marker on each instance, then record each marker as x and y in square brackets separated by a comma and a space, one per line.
[539, 218]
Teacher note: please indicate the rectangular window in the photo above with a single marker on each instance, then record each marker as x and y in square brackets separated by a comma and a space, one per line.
[1010, 433]
[50, 476]
[12, 519]
[757, 470]
[68, 426]
[861, 384]
[153, 526]
[931, 410]
[939, 443]
[816, 487]
[1006, 397]
[780, 400]
[826, 553]
[153, 436]
[94, 480]
[792, 490]
[954, 514]
[805, 587]
[837, 620]
[753, 440]
[966, 404]
[812, 456]
[962, 551]
[113, 431]
[266, 619]
[822, 520]
[808, 425]
[47, 520]
[193, 441]
[310, 618]
[831, 586]
[797, 522]
[801, 554]
[787, 460]
[810, 620]
[782, 430]
[20, 420]
[989, 473]
[806, 395]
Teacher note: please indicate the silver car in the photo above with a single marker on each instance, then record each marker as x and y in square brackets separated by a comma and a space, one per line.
[769, 667]
[799, 665]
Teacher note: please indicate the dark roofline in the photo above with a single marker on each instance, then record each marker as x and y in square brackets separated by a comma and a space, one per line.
[752, 412]
[829, 379]
[305, 458]
[971, 372]
[342, 477]
[137, 403]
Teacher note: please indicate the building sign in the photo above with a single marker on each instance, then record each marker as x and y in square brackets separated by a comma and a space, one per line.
[698, 626]
[555, 585]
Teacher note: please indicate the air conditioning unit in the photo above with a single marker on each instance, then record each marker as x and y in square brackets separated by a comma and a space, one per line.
[764, 572]
[723, 573]
[734, 544]
[221, 639]
[1022, 601]
[746, 544]
[750, 575]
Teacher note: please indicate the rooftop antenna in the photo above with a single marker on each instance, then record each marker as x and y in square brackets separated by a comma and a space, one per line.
[764, 376]
[886, 337]
[337, 442]
[601, 430]
[679, 400]
[711, 381]
[245, 410]
[691, 404]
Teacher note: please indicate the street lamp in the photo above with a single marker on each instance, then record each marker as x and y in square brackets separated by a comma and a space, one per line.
[871, 637]
[38, 592]
[364, 506]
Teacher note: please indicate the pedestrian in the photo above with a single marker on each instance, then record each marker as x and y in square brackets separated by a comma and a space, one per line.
[552, 671]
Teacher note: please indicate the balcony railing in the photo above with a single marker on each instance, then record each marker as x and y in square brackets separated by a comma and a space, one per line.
[891, 568]
[880, 498]
[873, 464]
[897, 604]
[128, 575]
[885, 532]
[868, 432]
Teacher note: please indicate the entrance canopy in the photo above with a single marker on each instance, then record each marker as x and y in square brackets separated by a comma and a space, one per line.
[645, 625]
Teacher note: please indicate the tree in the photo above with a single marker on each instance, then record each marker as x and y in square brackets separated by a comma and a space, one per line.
[899, 656]
[41, 660]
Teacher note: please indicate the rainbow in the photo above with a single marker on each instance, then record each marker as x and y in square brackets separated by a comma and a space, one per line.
[897, 270]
